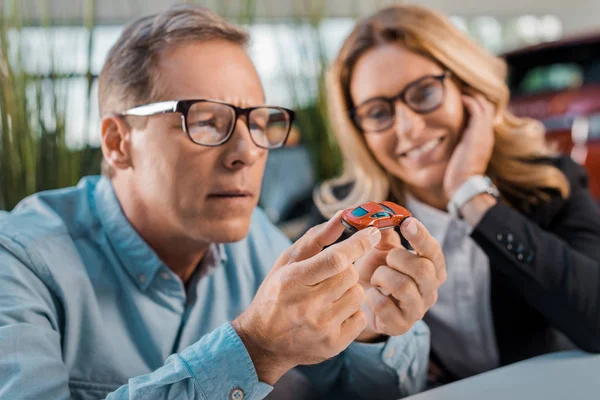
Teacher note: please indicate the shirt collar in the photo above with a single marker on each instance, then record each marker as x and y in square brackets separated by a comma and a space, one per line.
[138, 258]
[222, 252]
[214, 257]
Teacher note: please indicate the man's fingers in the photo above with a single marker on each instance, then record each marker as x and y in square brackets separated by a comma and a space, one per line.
[339, 284]
[387, 317]
[421, 270]
[348, 304]
[389, 281]
[358, 244]
[337, 258]
[313, 241]
[425, 245]
[353, 326]
[389, 240]
[403, 289]
[370, 262]
[367, 265]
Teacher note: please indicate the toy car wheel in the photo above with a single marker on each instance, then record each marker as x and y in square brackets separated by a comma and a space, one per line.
[349, 227]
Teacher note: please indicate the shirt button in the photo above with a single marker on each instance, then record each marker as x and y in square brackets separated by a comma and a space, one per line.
[403, 378]
[142, 279]
[390, 353]
[415, 366]
[165, 275]
[237, 394]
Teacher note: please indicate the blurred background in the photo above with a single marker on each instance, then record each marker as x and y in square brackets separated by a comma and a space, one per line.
[51, 52]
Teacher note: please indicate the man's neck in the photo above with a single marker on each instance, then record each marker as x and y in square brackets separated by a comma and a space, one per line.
[180, 253]
[181, 258]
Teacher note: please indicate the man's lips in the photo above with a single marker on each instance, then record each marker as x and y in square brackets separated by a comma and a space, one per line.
[230, 193]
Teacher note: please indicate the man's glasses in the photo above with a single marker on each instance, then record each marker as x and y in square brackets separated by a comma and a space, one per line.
[422, 96]
[211, 123]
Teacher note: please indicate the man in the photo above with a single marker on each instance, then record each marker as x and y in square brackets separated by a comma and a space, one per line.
[163, 280]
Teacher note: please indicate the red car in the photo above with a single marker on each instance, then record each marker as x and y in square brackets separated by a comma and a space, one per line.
[558, 83]
[382, 215]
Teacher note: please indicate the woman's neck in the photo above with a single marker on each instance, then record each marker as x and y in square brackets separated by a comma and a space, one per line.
[434, 197]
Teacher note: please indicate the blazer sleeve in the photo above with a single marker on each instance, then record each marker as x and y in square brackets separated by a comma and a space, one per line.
[556, 268]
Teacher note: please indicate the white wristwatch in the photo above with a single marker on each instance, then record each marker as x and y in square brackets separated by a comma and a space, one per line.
[471, 188]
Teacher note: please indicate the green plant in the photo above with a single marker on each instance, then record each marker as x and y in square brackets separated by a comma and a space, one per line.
[311, 110]
[34, 155]
[312, 113]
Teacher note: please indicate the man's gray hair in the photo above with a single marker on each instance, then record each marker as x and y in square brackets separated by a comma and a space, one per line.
[129, 76]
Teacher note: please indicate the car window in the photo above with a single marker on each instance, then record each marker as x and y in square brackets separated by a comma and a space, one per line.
[381, 215]
[553, 69]
[359, 212]
[553, 77]
[386, 208]
[595, 126]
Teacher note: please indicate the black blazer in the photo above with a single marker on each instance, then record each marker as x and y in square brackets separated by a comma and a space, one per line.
[545, 270]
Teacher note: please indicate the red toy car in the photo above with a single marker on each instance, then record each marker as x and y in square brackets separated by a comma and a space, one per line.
[382, 215]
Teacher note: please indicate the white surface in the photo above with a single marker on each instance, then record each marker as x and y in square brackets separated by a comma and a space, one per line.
[559, 376]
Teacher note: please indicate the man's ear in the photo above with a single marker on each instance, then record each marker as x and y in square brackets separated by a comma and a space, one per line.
[115, 142]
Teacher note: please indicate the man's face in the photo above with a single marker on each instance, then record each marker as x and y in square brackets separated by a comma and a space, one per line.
[205, 193]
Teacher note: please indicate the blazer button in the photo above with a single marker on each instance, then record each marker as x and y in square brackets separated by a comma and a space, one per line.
[530, 257]
[509, 238]
[509, 246]
[500, 237]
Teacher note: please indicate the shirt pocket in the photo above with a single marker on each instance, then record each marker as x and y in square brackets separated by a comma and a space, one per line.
[86, 390]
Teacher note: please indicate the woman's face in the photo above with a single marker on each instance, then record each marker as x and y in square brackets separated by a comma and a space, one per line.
[413, 146]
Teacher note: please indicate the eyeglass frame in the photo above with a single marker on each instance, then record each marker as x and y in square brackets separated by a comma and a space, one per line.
[183, 107]
[402, 96]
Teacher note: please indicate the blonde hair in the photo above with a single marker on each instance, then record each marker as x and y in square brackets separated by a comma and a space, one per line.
[518, 141]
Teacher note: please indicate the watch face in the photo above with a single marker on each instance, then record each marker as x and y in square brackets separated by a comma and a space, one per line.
[493, 190]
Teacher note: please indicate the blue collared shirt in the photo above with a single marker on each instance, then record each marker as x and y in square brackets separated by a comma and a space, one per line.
[88, 310]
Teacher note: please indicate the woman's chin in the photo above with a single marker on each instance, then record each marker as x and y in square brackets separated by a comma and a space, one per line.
[428, 178]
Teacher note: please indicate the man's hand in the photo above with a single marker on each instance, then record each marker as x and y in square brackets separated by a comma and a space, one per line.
[400, 285]
[308, 309]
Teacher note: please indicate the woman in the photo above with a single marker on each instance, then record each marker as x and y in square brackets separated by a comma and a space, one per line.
[420, 113]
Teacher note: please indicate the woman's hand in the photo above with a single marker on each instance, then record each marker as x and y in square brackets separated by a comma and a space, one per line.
[474, 151]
